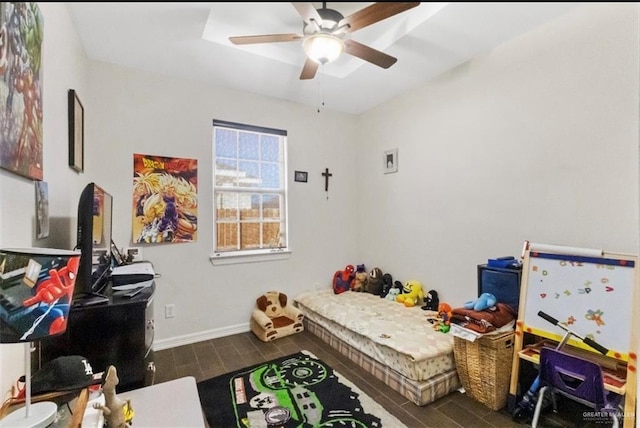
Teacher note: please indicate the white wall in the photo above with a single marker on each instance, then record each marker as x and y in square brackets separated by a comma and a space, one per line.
[130, 112]
[137, 112]
[64, 67]
[536, 141]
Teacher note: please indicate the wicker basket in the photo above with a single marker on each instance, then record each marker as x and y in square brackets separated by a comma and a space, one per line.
[484, 367]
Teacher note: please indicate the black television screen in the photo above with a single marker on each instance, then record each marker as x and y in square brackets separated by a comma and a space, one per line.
[95, 210]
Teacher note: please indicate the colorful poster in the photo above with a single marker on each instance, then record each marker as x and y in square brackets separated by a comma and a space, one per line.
[21, 36]
[165, 199]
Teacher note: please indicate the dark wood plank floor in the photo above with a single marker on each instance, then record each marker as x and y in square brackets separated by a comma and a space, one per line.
[214, 357]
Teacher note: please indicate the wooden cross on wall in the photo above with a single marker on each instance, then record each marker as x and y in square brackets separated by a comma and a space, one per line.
[326, 174]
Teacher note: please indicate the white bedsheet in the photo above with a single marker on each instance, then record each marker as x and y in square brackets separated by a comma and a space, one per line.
[387, 331]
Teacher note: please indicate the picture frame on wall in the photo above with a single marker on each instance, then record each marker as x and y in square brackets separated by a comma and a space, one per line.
[42, 209]
[301, 176]
[390, 161]
[76, 131]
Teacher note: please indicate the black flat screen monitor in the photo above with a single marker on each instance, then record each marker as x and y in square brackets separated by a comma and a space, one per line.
[95, 210]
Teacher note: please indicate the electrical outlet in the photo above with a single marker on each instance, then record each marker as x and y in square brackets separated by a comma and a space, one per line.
[169, 311]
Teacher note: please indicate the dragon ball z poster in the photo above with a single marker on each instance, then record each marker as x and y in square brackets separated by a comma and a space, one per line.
[165, 199]
[21, 37]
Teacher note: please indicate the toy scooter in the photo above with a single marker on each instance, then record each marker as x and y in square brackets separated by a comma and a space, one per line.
[525, 409]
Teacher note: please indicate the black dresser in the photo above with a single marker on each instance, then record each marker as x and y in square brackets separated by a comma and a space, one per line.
[118, 333]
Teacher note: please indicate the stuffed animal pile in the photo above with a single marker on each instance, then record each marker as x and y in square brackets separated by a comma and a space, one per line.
[382, 284]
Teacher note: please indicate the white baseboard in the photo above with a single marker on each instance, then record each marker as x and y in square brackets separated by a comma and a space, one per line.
[187, 339]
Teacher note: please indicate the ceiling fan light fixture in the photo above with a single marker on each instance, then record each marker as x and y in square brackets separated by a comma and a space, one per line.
[323, 47]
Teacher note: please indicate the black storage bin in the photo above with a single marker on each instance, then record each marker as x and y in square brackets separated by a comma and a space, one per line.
[504, 283]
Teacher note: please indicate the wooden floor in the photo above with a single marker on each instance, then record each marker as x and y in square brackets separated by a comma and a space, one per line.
[214, 357]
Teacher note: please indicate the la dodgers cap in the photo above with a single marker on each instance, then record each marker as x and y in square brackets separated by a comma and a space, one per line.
[64, 373]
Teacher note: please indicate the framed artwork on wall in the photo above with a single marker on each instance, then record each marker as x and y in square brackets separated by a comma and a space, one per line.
[390, 161]
[301, 176]
[76, 132]
[42, 209]
[21, 89]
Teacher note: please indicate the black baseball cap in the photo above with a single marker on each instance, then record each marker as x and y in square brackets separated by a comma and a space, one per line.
[65, 373]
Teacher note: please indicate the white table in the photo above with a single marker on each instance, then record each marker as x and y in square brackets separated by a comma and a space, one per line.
[170, 404]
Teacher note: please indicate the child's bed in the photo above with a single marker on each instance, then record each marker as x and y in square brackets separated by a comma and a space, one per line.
[394, 343]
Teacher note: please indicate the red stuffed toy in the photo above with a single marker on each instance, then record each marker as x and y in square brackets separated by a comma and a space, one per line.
[342, 279]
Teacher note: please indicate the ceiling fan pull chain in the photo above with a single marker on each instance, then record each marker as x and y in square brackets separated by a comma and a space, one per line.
[320, 92]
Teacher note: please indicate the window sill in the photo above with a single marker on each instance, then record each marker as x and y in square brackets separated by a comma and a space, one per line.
[220, 259]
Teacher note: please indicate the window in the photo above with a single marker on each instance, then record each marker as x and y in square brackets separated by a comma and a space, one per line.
[249, 190]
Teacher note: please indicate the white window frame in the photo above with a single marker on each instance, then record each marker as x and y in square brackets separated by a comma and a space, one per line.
[253, 255]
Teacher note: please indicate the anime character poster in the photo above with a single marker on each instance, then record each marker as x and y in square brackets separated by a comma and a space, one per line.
[165, 199]
[21, 36]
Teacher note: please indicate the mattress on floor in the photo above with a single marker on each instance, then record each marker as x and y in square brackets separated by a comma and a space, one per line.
[397, 337]
[418, 392]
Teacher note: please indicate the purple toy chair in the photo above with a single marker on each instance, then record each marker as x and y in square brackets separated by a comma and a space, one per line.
[577, 379]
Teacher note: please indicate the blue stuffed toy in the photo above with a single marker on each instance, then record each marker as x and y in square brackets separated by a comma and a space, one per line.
[485, 301]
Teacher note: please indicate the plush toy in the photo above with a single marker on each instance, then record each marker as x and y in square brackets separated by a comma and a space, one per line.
[444, 315]
[412, 294]
[342, 279]
[374, 283]
[387, 284]
[485, 301]
[360, 279]
[392, 294]
[431, 301]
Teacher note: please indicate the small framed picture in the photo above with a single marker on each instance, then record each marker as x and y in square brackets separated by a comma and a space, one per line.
[76, 132]
[390, 161]
[301, 176]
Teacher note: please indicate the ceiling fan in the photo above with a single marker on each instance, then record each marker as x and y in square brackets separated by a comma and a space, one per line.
[325, 34]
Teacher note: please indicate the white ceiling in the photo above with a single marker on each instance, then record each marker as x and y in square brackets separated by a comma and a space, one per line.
[190, 40]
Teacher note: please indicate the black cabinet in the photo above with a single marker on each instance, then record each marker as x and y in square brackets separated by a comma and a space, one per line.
[119, 333]
[502, 282]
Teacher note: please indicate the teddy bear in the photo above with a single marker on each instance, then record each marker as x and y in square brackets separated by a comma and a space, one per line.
[360, 279]
[274, 317]
[412, 294]
[374, 282]
[392, 294]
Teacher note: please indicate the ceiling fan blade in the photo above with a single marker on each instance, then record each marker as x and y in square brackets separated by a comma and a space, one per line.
[308, 12]
[265, 38]
[369, 54]
[309, 69]
[374, 13]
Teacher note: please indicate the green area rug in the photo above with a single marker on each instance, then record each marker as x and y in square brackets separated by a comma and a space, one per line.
[294, 391]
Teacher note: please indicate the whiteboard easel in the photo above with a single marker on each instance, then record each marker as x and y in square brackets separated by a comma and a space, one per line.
[590, 291]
